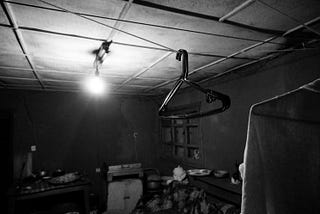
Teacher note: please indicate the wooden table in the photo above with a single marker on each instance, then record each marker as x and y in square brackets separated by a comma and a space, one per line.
[220, 188]
[43, 190]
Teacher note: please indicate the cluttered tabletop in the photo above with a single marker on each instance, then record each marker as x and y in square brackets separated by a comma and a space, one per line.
[44, 183]
[219, 178]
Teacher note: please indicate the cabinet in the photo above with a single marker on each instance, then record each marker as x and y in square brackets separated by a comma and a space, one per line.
[123, 195]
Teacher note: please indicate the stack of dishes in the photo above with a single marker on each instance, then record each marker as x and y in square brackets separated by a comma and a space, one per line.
[199, 172]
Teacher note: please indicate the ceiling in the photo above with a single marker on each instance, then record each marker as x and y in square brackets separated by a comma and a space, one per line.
[52, 44]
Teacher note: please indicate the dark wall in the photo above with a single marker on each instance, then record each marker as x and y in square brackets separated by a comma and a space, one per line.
[224, 135]
[76, 132]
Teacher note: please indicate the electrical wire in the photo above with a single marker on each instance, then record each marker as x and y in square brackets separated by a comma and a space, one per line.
[114, 28]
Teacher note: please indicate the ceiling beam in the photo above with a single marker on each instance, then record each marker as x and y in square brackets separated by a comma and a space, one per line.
[237, 53]
[122, 15]
[10, 16]
[236, 10]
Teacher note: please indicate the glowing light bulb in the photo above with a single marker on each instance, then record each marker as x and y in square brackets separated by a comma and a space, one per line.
[95, 85]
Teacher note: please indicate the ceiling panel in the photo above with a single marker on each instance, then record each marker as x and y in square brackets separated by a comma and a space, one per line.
[28, 82]
[127, 61]
[175, 39]
[60, 47]
[76, 78]
[133, 89]
[261, 16]
[63, 65]
[24, 86]
[261, 50]
[56, 21]
[15, 73]
[3, 18]
[145, 82]
[198, 61]
[113, 80]
[108, 8]
[8, 41]
[214, 7]
[52, 52]
[218, 68]
[62, 84]
[167, 87]
[63, 76]
[170, 67]
[198, 76]
[14, 60]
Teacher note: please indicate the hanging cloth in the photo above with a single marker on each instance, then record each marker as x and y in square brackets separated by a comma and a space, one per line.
[282, 154]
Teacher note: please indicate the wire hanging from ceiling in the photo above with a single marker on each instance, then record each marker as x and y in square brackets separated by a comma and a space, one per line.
[103, 24]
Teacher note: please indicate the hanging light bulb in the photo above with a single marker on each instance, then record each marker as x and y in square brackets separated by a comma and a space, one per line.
[95, 84]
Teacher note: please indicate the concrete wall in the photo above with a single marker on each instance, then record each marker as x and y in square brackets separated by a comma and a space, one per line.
[76, 132]
[224, 135]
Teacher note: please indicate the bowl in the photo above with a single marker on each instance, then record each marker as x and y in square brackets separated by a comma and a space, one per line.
[199, 172]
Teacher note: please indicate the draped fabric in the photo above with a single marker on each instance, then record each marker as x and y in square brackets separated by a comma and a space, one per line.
[282, 154]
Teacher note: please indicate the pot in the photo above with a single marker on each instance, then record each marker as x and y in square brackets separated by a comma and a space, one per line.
[153, 184]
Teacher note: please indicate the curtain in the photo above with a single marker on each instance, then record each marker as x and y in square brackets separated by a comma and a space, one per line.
[282, 154]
